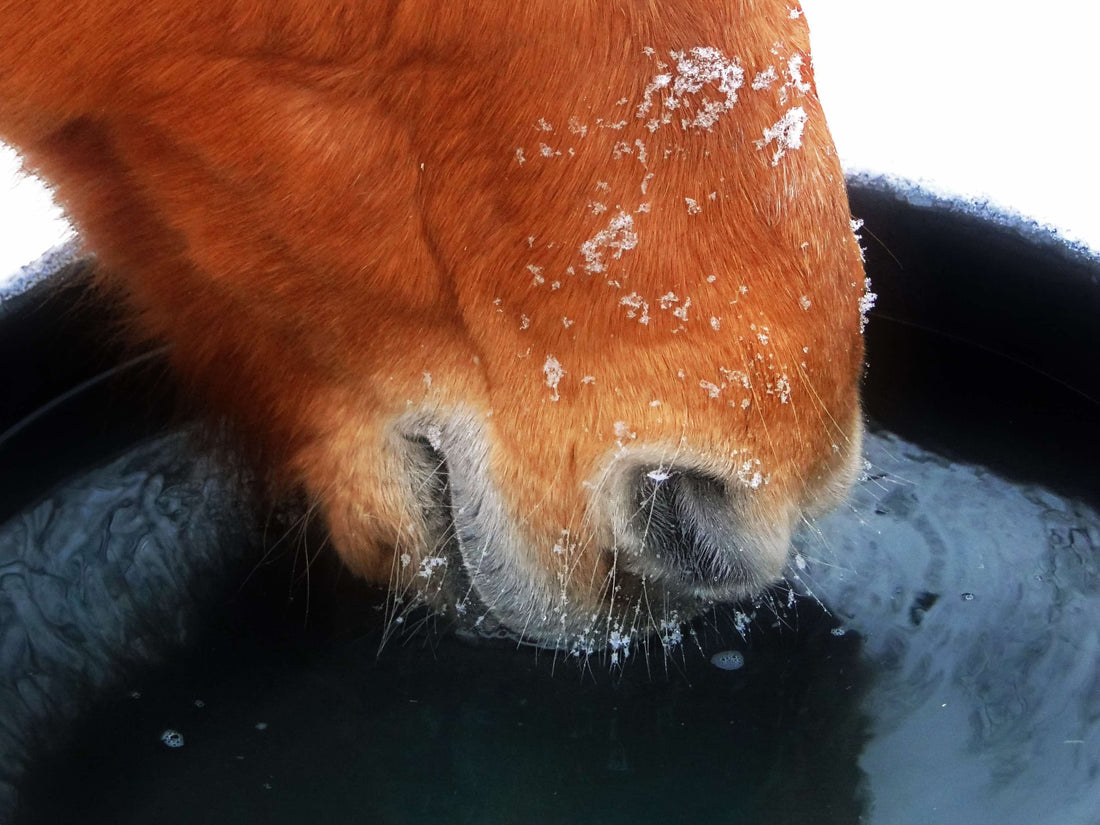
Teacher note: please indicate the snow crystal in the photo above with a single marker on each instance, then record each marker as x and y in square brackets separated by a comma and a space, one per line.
[536, 272]
[434, 434]
[619, 237]
[577, 128]
[712, 389]
[543, 126]
[857, 224]
[429, 565]
[693, 206]
[764, 79]
[554, 372]
[748, 475]
[715, 323]
[695, 68]
[735, 377]
[741, 622]
[804, 302]
[172, 738]
[622, 431]
[783, 388]
[785, 134]
[794, 72]
[670, 631]
[637, 307]
[519, 155]
[659, 475]
[866, 303]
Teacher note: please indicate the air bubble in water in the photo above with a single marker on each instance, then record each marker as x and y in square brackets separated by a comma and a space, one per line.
[728, 660]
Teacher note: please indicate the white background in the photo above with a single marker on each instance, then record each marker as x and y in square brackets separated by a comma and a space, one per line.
[985, 99]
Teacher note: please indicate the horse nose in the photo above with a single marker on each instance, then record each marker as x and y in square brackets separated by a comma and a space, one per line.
[692, 529]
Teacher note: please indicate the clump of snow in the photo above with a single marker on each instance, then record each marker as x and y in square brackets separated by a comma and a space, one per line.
[619, 237]
[637, 307]
[857, 224]
[750, 476]
[866, 303]
[429, 564]
[434, 434]
[693, 206]
[696, 68]
[794, 73]
[764, 79]
[785, 134]
[553, 371]
[623, 432]
[670, 632]
[712, 389]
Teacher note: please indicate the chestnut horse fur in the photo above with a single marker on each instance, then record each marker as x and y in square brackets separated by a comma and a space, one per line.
[552, 307]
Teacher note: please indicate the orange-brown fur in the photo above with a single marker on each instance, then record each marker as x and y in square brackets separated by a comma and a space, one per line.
[321, 206]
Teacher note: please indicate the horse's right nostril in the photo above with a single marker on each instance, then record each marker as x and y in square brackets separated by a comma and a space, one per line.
[690, 532]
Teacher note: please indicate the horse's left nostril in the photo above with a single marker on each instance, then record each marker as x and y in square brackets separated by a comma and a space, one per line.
[689, 531]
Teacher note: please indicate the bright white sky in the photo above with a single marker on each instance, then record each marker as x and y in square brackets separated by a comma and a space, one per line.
[983, 99]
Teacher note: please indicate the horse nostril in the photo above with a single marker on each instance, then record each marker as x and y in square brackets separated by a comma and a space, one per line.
[688, 529]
